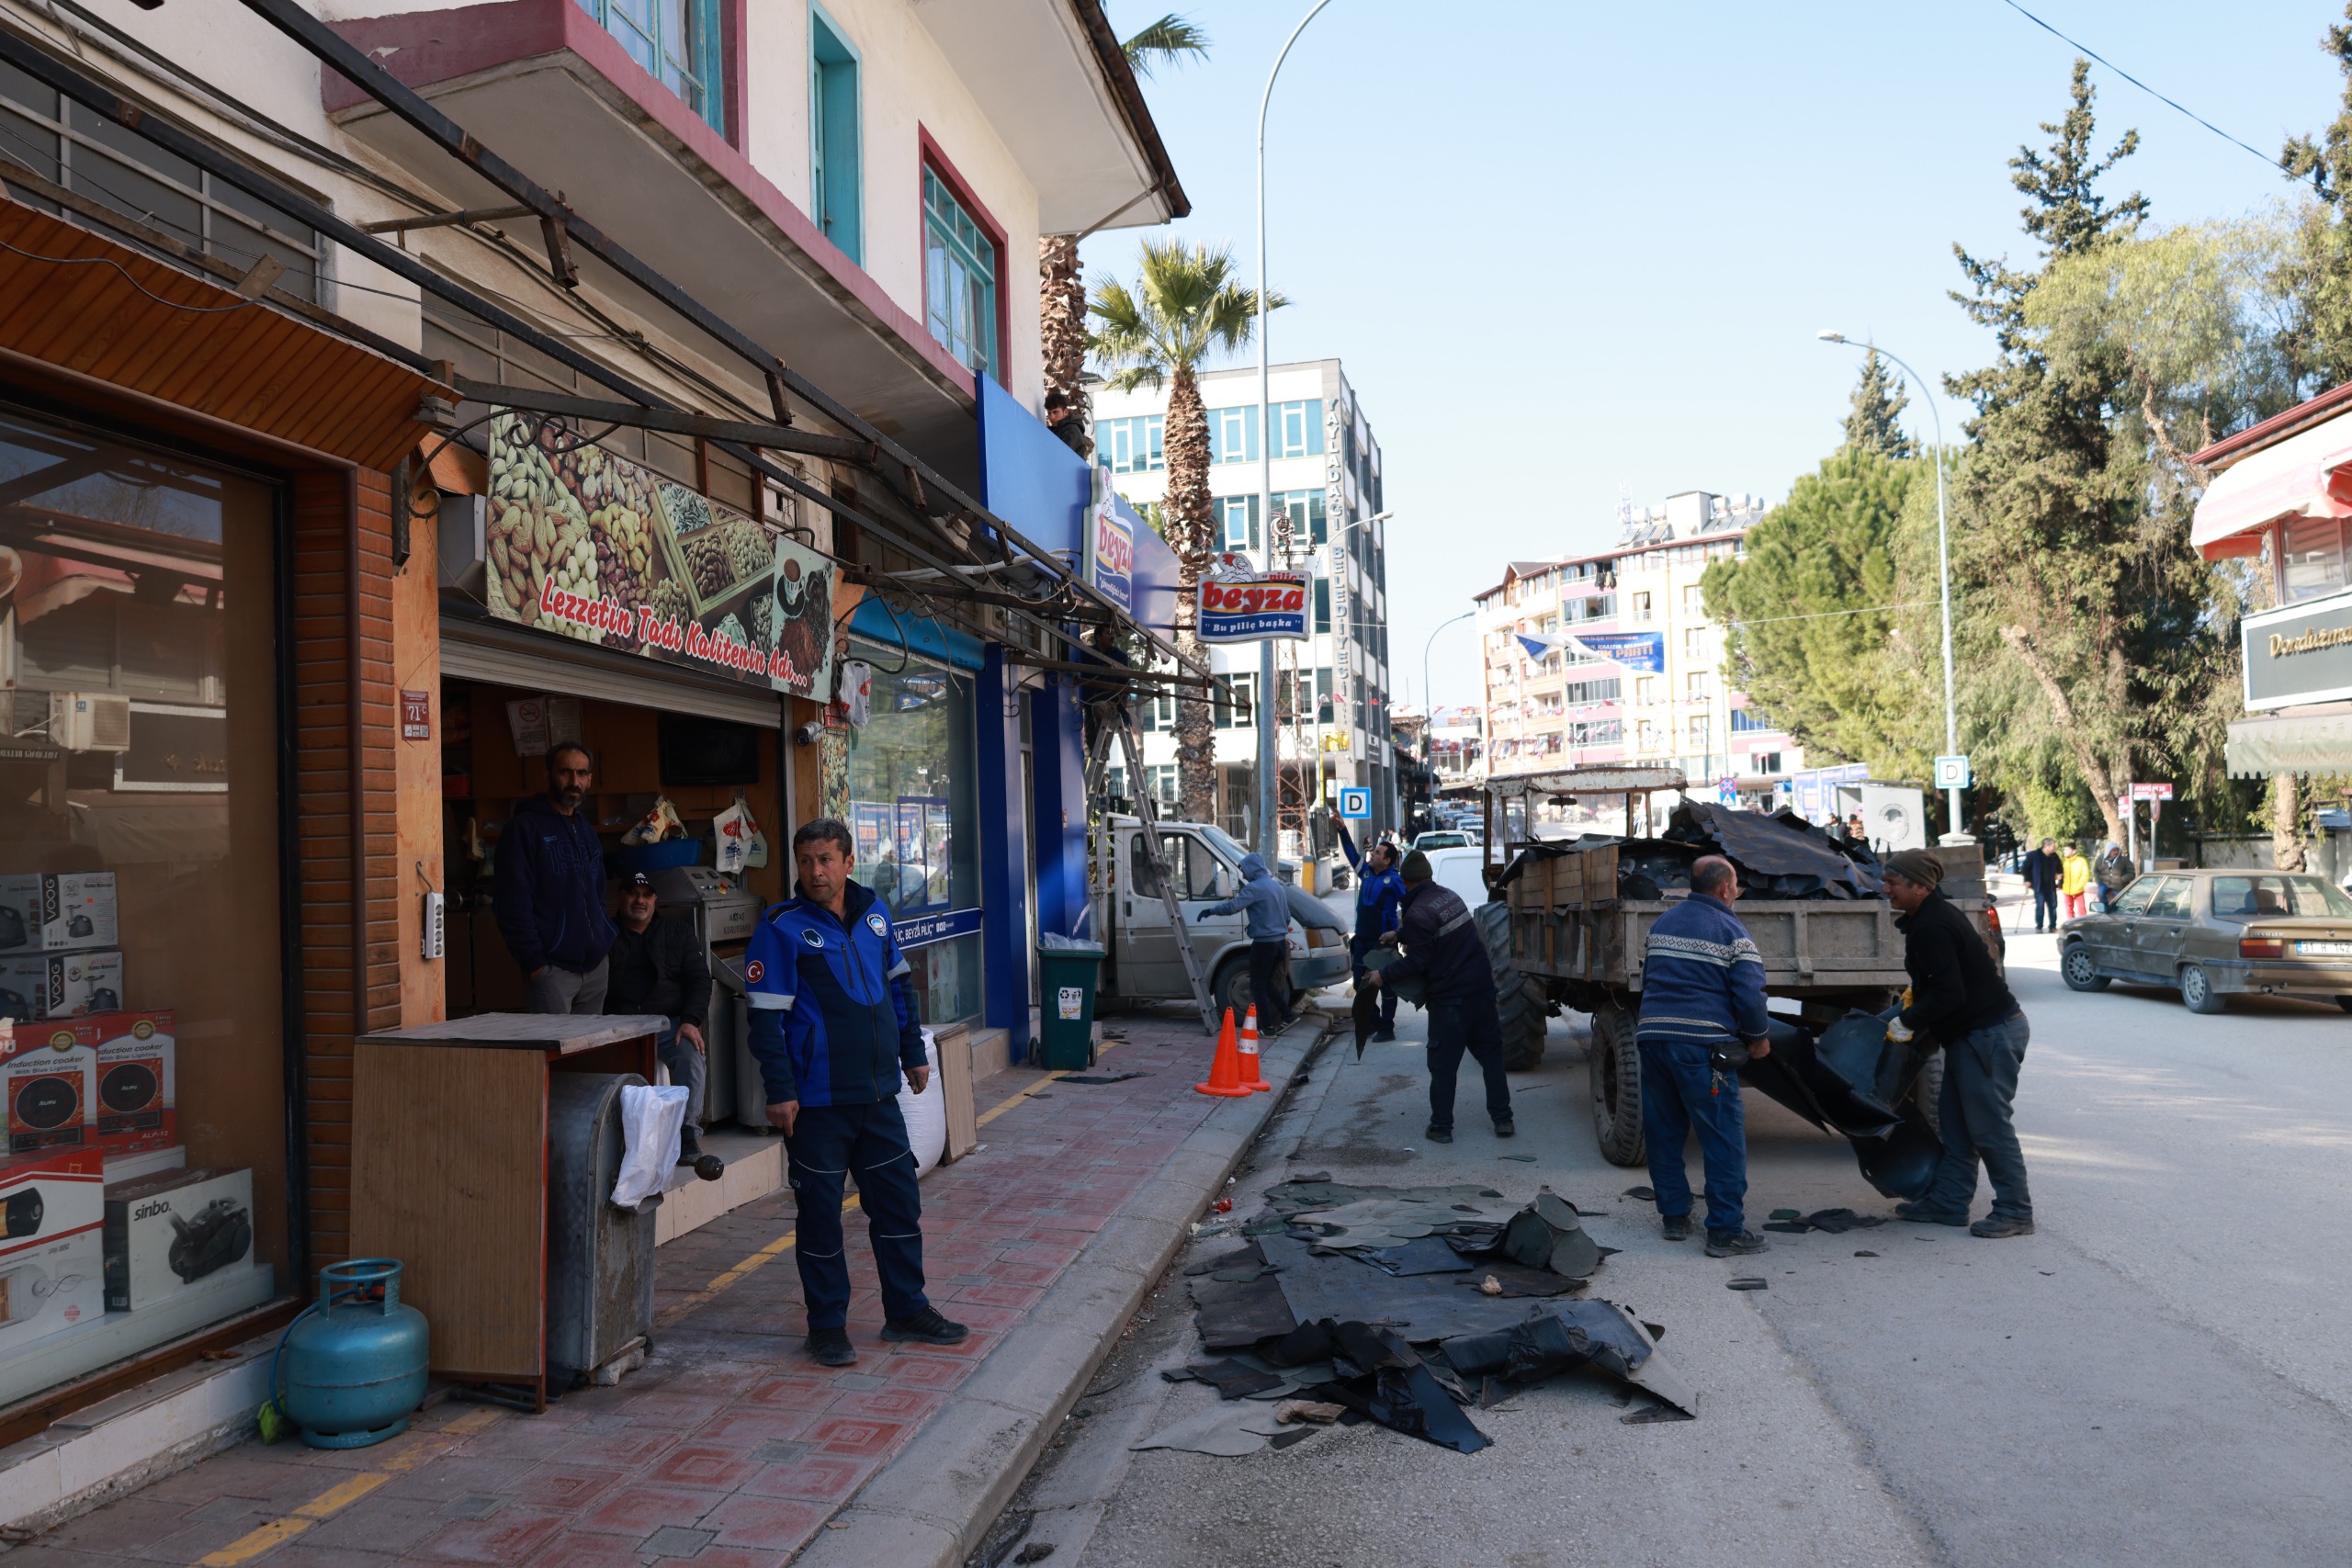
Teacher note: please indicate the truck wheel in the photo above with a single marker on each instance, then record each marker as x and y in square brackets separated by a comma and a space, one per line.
[2080, 970]
[1518, 1001]
[1229, 987]
[1614, 1066]
[2196, 990]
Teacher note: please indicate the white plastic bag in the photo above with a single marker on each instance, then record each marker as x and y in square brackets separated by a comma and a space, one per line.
[926, 1114]
[733, 828]
[650, 1119]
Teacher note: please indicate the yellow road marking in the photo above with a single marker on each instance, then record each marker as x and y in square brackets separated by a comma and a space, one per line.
[420, 1449]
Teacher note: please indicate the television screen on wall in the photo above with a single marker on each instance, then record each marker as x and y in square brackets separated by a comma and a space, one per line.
[708, 751]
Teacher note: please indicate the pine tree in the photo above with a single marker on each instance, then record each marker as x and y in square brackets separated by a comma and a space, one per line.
[2321, 342]
[1875, 422]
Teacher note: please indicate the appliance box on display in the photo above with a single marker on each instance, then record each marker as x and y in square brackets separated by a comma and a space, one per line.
[53, 913]
[165, 1233]
[52, 1261]
[48, 1071]
[135, 1091]
[61, 985]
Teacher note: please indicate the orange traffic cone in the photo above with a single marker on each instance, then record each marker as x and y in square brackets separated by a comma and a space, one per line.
[1225, 1073]
[1249, 1077]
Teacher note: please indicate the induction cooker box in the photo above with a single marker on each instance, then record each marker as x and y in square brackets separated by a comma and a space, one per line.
[49, 1073]
[167, 1231]
[60, 985]
[134, 1095]
[57, 912]
[51, 1252]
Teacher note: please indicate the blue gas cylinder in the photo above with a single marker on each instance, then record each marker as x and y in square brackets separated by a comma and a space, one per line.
[351, 1369]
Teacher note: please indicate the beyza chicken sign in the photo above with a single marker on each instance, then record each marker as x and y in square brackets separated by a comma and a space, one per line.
[1238, 605]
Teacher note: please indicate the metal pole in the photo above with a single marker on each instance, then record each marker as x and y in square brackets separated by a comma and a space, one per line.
[1429, 701]
[1268, 831]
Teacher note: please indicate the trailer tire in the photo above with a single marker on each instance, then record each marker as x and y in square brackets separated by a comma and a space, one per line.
[1614, 1066]
[1519, 1002]
[1928, 1087]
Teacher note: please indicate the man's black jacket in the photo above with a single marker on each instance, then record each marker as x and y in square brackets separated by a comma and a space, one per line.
[1955, 985]
[1441, 944]
[2040, 872]
[660, 969]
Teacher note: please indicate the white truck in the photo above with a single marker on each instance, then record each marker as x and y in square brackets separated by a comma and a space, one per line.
[1143, 964]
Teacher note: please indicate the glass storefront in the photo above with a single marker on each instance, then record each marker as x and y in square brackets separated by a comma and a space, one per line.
[144, 1179]
[905, 786]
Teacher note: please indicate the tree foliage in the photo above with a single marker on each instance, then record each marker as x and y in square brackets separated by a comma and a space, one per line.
[1875, 424]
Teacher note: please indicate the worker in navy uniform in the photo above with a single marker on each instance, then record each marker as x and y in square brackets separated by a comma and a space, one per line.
[1380, 893]
[833, 1028]
[1443, 949]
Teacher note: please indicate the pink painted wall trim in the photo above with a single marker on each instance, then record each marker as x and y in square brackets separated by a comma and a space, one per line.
[429, 47]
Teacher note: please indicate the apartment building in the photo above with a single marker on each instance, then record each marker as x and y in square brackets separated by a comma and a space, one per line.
[1328, 505]
[1664, 699]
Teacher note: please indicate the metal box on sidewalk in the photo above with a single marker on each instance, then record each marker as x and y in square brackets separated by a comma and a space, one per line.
[600, 1258]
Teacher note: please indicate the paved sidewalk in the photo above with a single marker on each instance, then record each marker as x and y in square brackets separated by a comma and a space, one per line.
[730, 1446]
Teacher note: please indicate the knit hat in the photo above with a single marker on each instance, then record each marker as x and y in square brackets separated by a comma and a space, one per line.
[1417, 867]
[1916, 865]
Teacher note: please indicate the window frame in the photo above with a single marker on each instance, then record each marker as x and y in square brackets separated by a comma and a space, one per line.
[709, 71]
[823, 157]
[934, 164]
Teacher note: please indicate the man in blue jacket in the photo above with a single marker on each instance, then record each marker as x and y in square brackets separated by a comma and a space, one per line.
[547, 890]
[1380, 892]
[1702, 1001]
[835, 1028]
[1443, 949]
[1262, 897]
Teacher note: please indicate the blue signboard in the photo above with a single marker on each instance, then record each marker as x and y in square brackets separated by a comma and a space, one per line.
[1029, 477]
[1641, 652]
[1356, 803]
[1254, 609]
[1110, 565]
[922, 930]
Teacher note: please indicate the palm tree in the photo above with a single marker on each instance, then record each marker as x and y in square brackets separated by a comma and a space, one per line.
[1185, 306]
[1061, 290]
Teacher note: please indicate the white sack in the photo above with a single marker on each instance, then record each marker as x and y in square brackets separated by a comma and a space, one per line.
[650, 1119]
[926, 1114]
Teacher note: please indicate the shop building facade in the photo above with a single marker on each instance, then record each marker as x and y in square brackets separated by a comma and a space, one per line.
[329, 504]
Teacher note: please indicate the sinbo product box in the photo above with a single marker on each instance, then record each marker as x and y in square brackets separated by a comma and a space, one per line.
[48, 1071]
[52, 1216]
[54, 913]
[165, 1233]
[135, 1092]
[60, 985]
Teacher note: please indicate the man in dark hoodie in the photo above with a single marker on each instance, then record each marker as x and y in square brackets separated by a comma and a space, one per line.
[834, 1029]
[1443, 949]
[549, 896]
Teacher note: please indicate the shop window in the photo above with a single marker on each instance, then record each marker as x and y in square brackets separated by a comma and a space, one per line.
[2310, 559]
[86, 153]
[138, 898]
[834, 177]
[678, 42]
[959, 277]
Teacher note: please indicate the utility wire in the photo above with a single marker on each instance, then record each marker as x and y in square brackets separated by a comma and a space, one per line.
[2171, 103]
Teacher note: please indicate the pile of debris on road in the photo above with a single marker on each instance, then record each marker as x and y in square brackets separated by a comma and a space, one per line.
[1778, 856]
[1319, 1315]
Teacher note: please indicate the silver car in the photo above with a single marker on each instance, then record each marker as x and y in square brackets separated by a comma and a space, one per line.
[2213, 932]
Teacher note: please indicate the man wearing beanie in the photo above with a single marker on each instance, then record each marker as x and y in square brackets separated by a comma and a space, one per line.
[1958, 1000]
[1442, 948]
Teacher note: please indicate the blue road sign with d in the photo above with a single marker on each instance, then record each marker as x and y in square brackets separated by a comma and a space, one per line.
[1356, 803]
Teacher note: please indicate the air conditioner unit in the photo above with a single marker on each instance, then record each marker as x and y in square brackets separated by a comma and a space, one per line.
[89, 721]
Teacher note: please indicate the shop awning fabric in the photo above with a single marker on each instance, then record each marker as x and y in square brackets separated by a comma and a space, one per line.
[2296, 478]
[2290, 743]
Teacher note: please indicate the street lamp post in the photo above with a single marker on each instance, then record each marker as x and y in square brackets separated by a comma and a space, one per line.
[1428, 700]
[1943, 551]
[1269, 830]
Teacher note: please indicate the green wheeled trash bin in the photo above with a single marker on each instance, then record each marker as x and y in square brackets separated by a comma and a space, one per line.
[1068, 973]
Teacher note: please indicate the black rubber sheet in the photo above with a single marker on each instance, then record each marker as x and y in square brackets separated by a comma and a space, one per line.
[1779, 856]
[1572, 1334]
[1896, 1149]
[1419, 1307]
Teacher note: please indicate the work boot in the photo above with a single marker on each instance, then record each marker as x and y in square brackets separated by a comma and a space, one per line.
[1438, 1135]
[832, 1348]
[926, 1326]
[1380, 1034]
[1999, 1227]
[1506, 1129]
[1913, 1209]
[689, 1145]
[1678, 1227]
[1735, 1244]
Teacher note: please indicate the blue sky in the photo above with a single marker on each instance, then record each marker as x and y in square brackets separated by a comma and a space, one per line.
[1567, 247]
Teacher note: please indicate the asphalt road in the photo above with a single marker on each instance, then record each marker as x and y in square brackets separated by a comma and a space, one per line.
[2159, 1376]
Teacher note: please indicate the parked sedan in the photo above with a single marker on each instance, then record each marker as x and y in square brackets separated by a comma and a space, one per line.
[2212, 933]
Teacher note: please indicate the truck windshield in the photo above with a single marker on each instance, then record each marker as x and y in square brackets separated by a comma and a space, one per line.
[1223, 842]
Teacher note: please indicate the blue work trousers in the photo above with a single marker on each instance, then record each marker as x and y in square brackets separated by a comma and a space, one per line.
[1357, 947]
[1682, 1095]
[2045, 908]
[1980, 1088]
[826, 1144]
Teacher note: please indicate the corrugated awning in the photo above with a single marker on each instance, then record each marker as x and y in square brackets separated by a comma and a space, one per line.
[76, 299]
[2290, 743]
[2297, 478]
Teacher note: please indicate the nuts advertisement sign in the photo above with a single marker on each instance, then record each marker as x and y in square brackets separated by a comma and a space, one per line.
[585, 543]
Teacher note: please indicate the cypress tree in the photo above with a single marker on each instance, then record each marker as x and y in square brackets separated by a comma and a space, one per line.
[1875, 424]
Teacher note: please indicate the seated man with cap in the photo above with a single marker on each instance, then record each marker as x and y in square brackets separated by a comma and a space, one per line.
[657, 966]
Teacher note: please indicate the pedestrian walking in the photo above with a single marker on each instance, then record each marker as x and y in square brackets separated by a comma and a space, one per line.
[834, 1030]
[2112, 871]
[1703, 1017]
[1439, 944]
[1380, 892]
[548, 889]
[1960, 1001]
[1267, 908]
[657, 967]
[2074, 881]
[2040, 872]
